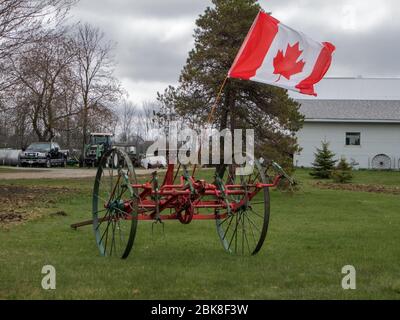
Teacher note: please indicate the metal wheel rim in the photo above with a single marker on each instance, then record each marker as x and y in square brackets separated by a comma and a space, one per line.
[245, 243]
[110, 223]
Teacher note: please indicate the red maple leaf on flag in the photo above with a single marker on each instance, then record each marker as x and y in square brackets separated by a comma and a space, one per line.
[287, 65]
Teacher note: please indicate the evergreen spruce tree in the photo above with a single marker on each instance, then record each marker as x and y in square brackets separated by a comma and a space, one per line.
[219, 33]
[324, 164]
[343, 172]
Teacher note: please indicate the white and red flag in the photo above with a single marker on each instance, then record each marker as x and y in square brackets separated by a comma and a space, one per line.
[275, 54]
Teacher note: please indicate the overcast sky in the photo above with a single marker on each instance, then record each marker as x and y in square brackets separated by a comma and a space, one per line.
[154, 36]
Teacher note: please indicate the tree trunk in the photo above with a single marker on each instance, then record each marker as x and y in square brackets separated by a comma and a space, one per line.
[84, 130]
[227, 112]
[68, 129]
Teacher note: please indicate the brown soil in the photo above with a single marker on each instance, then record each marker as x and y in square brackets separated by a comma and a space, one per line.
[43, 173]
[358, 187]
[13, 173]
[20, 203]
[11, 217]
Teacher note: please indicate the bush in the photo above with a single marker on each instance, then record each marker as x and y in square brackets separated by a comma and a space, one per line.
[324, 163]
[343, 172]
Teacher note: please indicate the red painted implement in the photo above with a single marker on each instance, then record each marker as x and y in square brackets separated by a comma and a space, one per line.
[238, 200]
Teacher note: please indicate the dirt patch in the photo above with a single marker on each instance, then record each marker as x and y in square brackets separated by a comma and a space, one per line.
[11, 217]
[56, 173]
[20, 203]
[59, 213]
[358, 187]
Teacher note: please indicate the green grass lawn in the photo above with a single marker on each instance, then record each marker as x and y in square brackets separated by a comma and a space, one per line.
[313, 234]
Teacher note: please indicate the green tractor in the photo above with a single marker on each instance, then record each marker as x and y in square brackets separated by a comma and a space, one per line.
[99, 144]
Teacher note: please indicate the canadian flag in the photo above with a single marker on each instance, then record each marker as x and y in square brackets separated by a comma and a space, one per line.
[275, 54]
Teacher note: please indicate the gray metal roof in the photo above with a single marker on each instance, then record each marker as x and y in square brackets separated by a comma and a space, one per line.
[351, 110]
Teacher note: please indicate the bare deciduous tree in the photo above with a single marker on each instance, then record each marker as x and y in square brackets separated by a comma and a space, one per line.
[54, 82]
[97, 84]
[149, 111]
[20, 19]
[23, 22]
[40, 72]
[67, 99]
[128, 113]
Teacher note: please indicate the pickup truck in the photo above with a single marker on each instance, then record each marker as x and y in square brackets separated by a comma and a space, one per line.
[46, 154]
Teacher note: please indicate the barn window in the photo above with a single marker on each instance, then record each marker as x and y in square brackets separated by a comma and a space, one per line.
[353, 138]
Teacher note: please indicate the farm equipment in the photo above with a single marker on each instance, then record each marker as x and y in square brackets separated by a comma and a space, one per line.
[98, 145]
[238, 202]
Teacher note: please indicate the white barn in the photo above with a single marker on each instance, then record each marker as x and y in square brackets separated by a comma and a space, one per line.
[359, 117]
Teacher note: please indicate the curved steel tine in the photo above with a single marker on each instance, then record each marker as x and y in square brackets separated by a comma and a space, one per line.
[283, 172]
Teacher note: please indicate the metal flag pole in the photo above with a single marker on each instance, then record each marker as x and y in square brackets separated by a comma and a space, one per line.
[211, 115]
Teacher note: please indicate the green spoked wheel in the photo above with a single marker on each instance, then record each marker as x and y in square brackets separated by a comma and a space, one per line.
[115, 205]
[243, 226]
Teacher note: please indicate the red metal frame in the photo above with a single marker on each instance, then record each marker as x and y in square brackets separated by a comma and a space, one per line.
[185, 205]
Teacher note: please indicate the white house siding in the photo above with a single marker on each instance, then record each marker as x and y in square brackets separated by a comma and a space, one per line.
[376, 138]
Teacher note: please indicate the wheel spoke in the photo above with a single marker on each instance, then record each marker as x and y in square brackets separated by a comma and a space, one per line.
[254, 180]
[102, 199]
[113, 236]
[223, 221]
[245, 235]
[251, 221]
[121, 241]
[102, 219]
[106, 232]
[251, 229]
[227, 229]
[251, 209]
[246, 232]
[234, 233]
[98, 211]
[256, 203]
[104, 178]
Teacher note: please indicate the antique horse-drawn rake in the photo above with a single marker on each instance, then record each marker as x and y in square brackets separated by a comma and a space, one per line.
[239, 204]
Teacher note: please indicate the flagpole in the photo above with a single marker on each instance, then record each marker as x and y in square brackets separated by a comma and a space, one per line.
[211, 115]
[216, 102]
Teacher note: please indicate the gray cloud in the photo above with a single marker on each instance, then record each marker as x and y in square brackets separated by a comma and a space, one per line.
[158, 62]
[143, 8]
[365, 32]
[154, 37]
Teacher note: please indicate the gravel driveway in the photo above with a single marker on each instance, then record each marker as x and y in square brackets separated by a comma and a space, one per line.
[11, 173]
